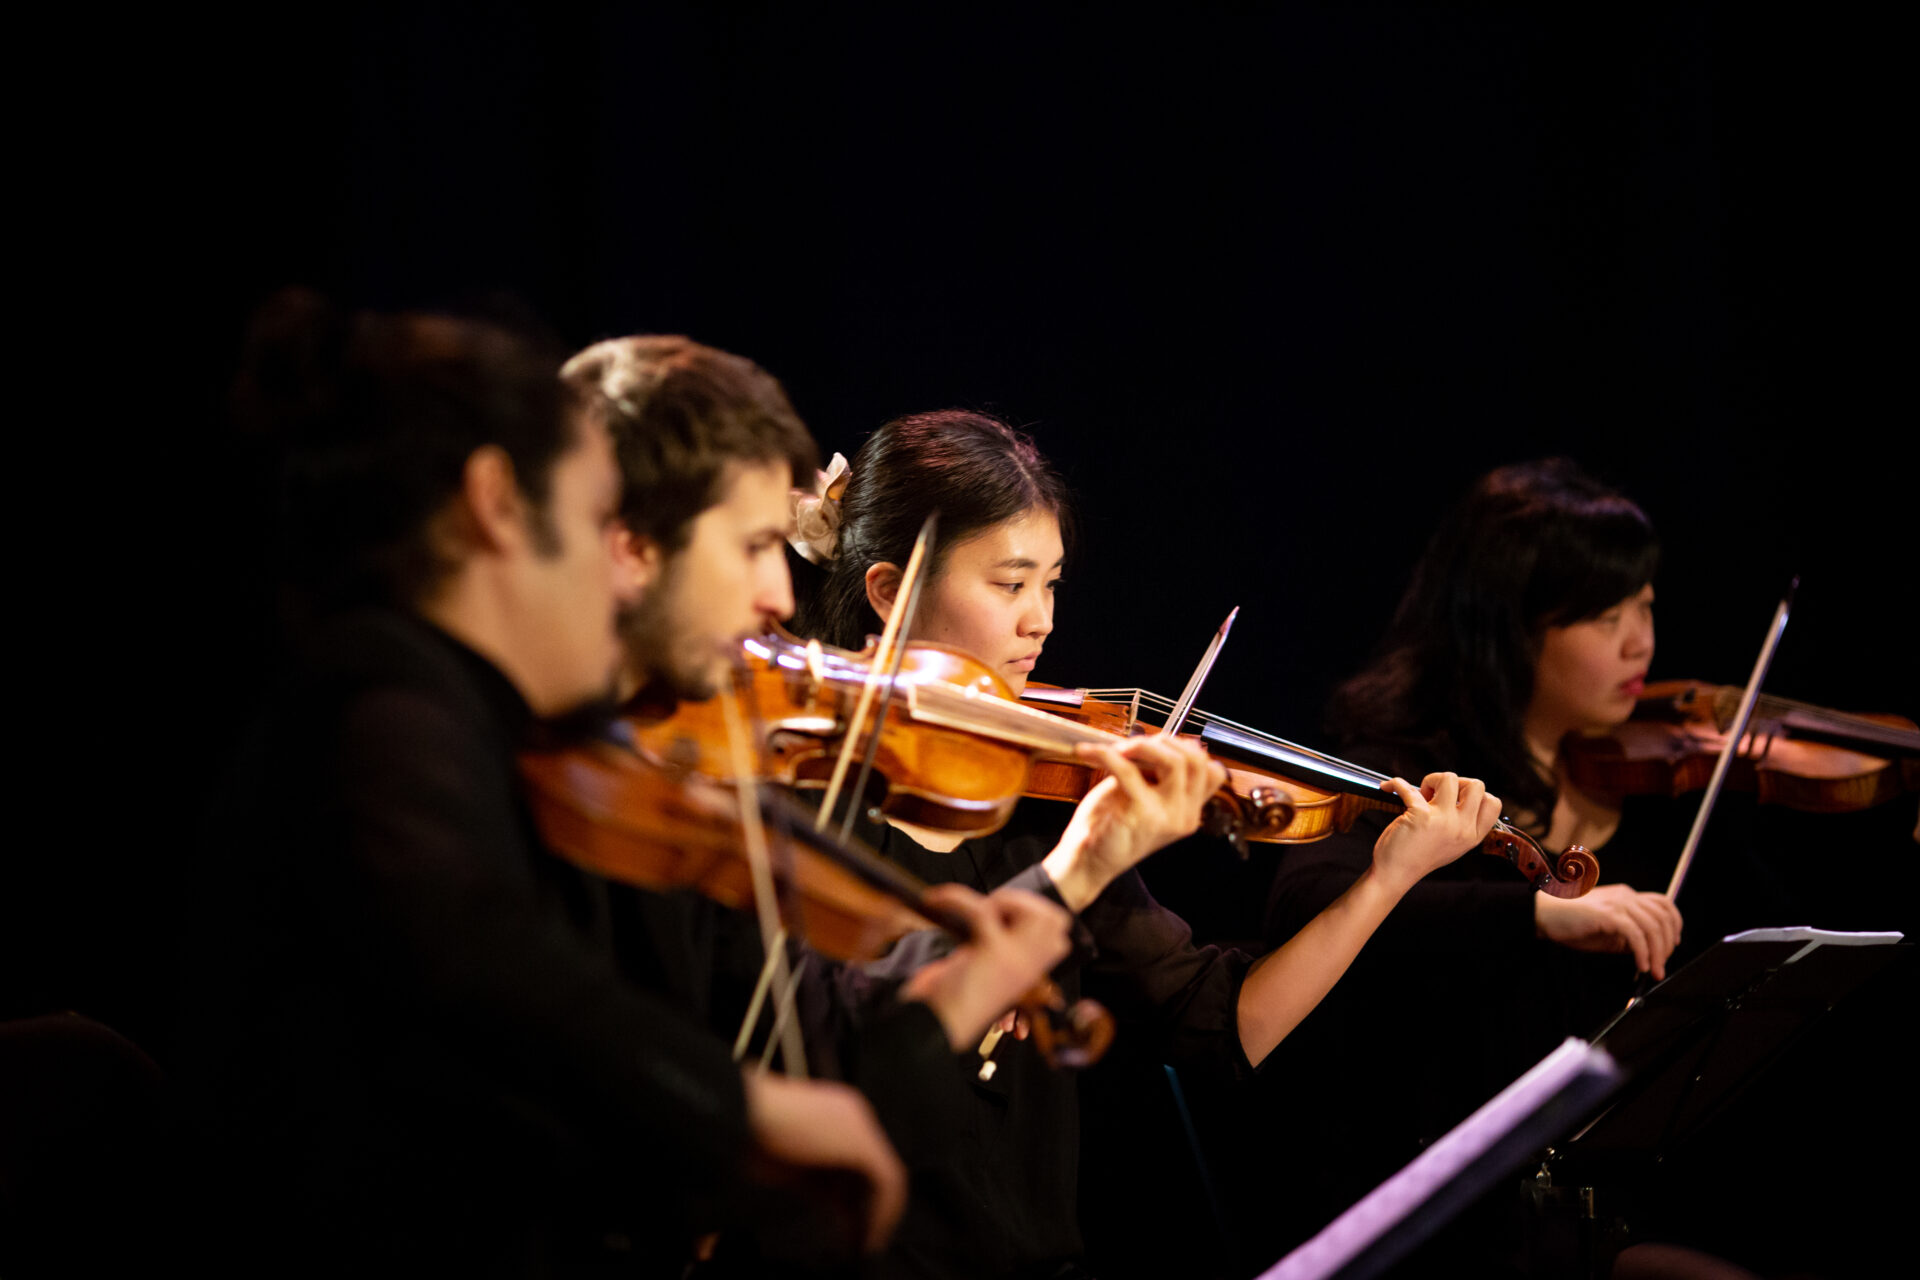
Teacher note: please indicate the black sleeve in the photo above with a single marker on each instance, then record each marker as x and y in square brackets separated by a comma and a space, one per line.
[1463, 908]
[1144, 967]
[903, 1064]
[857, 1029]
[1158, 984]
[453, 913]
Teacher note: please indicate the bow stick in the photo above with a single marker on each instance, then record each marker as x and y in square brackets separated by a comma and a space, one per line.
[1177, 718]
[773, 934]
[905, 600]
[1738, 730]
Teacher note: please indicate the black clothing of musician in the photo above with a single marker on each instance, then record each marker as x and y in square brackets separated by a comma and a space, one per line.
[1454, 998]
[415, 1035]
[1004, 1203]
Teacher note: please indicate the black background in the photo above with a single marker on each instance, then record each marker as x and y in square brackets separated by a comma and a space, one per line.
[1271, 284]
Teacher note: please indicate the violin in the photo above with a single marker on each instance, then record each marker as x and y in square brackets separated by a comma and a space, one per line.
[954, 750]
[1118, 711]
[605, 808]
[1797, 755]
[1325, 794]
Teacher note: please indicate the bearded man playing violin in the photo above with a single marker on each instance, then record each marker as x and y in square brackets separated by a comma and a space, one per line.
[709, 449]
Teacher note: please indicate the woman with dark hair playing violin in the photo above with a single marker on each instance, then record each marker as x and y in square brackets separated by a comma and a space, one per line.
[1529, 618]
[1006, 1206]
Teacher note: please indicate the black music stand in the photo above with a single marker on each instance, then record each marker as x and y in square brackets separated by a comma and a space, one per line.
[1683, 1052]
[1487, 1146]
[1693, 1042]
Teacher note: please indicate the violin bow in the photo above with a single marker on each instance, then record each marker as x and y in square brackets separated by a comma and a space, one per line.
[895, 661]
[890, 653]
[775, 972]
[1738, 730]
[1177, 718]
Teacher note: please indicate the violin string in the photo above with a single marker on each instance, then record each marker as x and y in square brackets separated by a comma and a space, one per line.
[1205, 718]
[1199, 716]
[1138, 697]
[1792, 718]
[1774, 708]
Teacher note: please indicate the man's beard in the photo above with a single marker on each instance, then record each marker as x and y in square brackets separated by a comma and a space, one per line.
[654, 645]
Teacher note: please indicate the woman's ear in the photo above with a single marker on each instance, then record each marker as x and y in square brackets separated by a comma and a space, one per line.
[883, 584]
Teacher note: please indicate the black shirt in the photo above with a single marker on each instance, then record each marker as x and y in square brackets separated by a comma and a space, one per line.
[1004, 1204]
[410, 1034]
[1452, 999]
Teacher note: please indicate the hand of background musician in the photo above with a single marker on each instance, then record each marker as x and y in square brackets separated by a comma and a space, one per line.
[1445, 816]
[814, 1127]
[1153, 795]
[1614, 917]
[1016, 939]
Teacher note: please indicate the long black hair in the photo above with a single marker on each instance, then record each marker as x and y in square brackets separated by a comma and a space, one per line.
[975, 470]
[1535, 545]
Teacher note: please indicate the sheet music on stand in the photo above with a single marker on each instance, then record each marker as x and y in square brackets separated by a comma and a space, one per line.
[1559, 1092]
[1696, 1039]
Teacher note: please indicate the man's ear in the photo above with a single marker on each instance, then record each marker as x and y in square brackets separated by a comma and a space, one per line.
[883, 584]
[637, 560]
[491, 512]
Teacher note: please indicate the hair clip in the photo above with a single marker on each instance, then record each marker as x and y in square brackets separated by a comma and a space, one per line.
[816, 514]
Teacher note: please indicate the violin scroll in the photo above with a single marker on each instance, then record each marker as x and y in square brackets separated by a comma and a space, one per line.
[1262, 813]
[1072, 1036]
[1570, 875]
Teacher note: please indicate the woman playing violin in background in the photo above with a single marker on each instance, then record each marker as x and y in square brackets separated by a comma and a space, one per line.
[1528, 618]
[1008, 1206]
